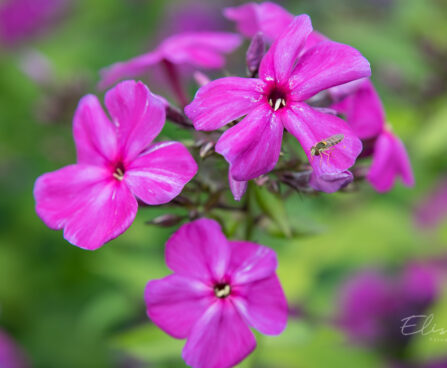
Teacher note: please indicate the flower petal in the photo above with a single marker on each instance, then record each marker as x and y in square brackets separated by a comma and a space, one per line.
[267, 17]
[364, 111]
[128, 69]
[138, 114]
[200, 49]
[238, 188]
[253, 145]
[199, 250]
[160, 174]
[264, 305]
[390, 159]
[310, 126]
[325, 65]
[331, 183]
[175, 303]
[220, 339]
[224, 100]
[250, 262]
[93, 133]
[87, 202]
[278, 63]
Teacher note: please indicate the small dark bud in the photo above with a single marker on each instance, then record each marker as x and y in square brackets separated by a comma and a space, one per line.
[166, 220]
[176, 116]
[254, 55]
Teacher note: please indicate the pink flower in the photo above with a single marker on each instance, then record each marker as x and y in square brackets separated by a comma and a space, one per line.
[390, 160]
[198, 49]
[251, 18]
[22, 19]
[269, 18]
[218, 290]
[276, 101]
[363, 109]
[95, 200]
[11, 356]
[433, 210]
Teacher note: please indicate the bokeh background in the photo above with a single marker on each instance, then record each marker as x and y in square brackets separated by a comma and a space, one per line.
[66, 307]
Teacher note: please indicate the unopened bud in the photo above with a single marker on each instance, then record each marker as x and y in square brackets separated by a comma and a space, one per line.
[255, 53]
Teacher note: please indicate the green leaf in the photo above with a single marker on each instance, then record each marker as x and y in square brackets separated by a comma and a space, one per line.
[149, 344]
[273, 206]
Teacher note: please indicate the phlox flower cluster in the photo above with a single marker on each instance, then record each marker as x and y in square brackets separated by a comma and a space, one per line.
[219, 288]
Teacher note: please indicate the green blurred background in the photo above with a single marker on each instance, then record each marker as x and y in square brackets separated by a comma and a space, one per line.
[68, 307]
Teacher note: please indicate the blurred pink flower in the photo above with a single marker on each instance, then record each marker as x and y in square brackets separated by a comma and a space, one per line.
[276, 101]
[95, 200]
[11, 355]
[390, 160]
[218, 290]
[433, 209]
[23, 19]
[199, 49]
[269, 18]
[372, 304]
[362, 107]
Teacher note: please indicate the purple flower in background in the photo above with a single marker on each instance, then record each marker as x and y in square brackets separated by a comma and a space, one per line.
[390, 160]
[362, 107]
[276, 101]
[433, 209]
[269, 18]
[198, 49]
[193, 16]
[372, 305]
[219, 289]
[23, 19]
[10, 354]
[95, 200]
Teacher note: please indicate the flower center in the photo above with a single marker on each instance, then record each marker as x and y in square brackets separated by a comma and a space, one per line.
[277, 99]
[118, 174]
[222, 290]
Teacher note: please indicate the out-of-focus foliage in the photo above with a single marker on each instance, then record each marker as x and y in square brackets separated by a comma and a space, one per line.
[71, 308]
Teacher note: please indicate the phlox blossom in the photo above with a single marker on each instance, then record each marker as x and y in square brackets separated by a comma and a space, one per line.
[276, 100]
[95, 200]
[219, 289]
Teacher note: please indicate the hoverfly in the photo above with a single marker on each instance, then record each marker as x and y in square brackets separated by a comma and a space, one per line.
[325, 146]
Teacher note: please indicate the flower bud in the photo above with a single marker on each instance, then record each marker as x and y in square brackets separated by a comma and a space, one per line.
[255, 53]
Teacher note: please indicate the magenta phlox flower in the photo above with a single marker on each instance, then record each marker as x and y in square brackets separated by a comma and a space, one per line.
[23, 19]
[362, 108]
[276, 100]
[373, 304]
[219, 289]
[433, 209]
[269, 18]
[95, 200]
[198, 49]
[390, 160]
[11, 356]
